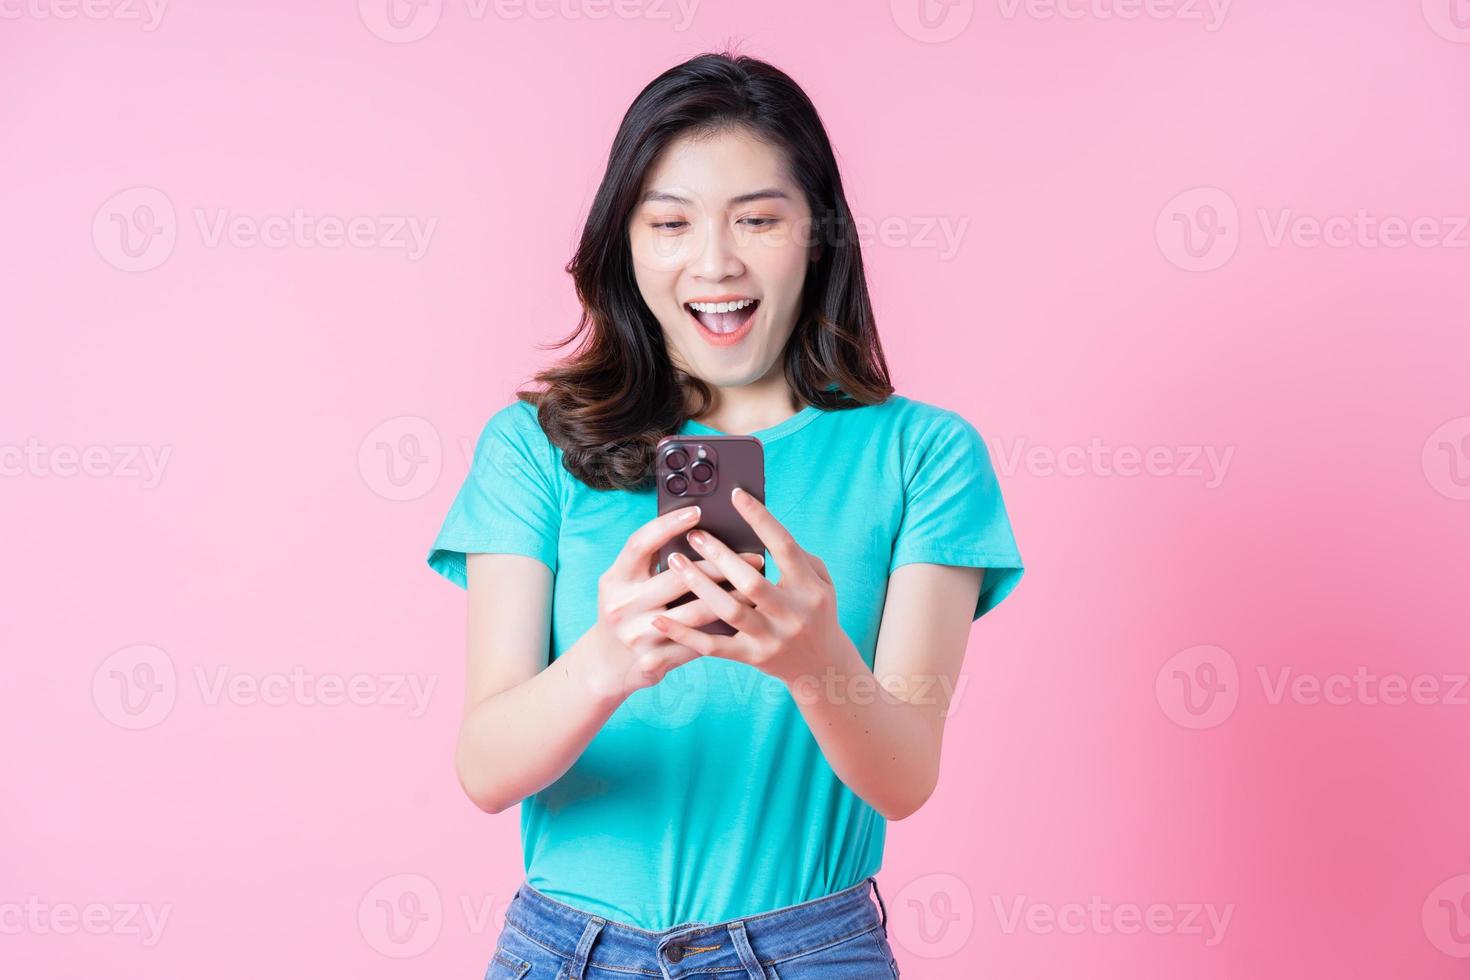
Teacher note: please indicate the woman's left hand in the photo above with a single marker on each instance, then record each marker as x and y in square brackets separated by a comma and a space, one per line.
[787, 629]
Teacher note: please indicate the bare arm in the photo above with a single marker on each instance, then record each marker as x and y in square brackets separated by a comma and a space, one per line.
[526, 718]
[884, 742]
[524, 725]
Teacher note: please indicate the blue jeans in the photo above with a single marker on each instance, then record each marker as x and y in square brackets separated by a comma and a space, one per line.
[839, 937]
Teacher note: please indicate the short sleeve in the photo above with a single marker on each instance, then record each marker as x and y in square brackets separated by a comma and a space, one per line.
[953, 512]
[509, 502]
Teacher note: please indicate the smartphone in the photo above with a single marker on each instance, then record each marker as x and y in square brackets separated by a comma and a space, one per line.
[702, 470]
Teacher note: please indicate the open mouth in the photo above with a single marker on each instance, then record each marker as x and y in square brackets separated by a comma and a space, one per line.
[723, 329]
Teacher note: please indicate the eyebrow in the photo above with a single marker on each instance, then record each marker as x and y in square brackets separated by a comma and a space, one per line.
[765, 193]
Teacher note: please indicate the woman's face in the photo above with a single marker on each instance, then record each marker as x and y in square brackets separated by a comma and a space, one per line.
[719, 222]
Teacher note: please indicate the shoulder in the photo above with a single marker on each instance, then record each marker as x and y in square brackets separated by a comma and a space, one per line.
[514, 432]
[518, 416]
[916, 422]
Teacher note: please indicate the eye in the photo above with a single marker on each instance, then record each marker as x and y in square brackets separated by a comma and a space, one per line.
[761, 222]
[667, 225]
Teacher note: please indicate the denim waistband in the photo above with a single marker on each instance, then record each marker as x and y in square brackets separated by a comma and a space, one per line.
[696, 948]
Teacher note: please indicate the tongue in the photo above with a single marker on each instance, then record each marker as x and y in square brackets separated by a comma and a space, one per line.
[724, 322]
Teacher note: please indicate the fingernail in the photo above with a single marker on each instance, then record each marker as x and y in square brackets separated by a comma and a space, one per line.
[692, 514]
[677, 560]
[697, 538]
[736, 493]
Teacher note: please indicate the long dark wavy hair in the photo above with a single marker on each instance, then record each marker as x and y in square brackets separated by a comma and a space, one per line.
[609, 403]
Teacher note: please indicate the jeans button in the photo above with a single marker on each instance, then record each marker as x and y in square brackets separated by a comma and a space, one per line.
[674, 953]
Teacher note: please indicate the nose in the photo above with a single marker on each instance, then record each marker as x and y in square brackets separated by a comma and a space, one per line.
[717, 258]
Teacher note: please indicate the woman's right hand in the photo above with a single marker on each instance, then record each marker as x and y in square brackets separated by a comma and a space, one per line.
[628, 652]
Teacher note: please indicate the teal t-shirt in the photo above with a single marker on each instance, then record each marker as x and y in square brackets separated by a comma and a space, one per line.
[706, 797]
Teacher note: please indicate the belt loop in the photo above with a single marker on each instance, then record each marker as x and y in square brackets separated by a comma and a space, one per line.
[881, 907]
[584, 947]
[742, 949]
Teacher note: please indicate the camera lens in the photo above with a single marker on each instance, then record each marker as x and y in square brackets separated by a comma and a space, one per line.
[676, 484]
[701, 472]
[676, 459]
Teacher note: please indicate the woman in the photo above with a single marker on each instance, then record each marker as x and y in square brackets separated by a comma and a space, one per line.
[698, 804]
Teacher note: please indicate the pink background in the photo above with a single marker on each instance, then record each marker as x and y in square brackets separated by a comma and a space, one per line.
[317, 403]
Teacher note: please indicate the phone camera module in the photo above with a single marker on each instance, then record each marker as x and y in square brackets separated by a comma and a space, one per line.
[676, 459]
[701, 472]
[677, 484]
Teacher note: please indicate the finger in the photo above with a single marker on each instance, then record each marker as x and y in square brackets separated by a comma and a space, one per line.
[778, 541]
[821, 568]
[751, 583]
[743, 618]
[642, 544]
[676, 655]
[694, 613]
[654, 665]
[704, 644]
[668, 585]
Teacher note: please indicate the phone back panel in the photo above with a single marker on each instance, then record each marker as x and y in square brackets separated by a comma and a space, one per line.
[733, 461]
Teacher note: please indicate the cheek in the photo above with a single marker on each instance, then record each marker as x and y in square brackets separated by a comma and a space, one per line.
[784, 271]
[656, 255]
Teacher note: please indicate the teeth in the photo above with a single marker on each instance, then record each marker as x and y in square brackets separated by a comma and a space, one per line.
[721, 307]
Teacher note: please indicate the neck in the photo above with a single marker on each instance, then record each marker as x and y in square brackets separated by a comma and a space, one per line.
[750, 408]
